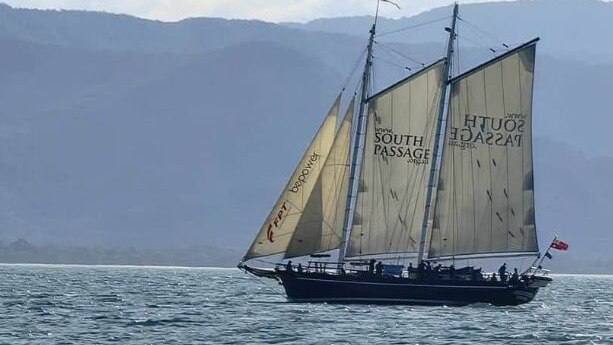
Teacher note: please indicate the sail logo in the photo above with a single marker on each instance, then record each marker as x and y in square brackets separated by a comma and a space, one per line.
[276, 223]
[306, 170]
[387, 143]
[504, 131]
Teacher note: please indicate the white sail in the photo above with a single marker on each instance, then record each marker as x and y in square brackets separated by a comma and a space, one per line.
[397, 158]
[321, 226]
[280, 224]
[485, 202]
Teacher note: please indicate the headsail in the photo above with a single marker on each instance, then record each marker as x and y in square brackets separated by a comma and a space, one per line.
[397, 156]
[280, 224]
[321, 226]
[485, 202]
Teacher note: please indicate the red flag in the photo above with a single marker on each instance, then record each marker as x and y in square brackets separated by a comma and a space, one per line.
[559, 245]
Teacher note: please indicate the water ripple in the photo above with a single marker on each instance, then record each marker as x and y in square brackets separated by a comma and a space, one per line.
[128, 305]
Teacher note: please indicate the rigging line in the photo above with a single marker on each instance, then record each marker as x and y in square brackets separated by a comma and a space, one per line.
[492, 37]
[406, 68]
[478, 44]
[390, 49]
[353, 70]
[265, 286]
[358, 158]
[455, 67]
[422, 176]
[413, 26]
[481, 37]
[407, 200]
[385, 171]
[265, 261]
[365, 240]
[371, 210]
[372, 85]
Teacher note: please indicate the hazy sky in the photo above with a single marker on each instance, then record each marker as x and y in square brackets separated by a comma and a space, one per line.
[269, 10]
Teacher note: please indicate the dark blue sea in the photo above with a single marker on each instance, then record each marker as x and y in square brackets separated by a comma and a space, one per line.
[149, 305]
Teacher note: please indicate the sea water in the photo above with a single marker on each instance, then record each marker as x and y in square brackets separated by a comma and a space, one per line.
[149, 305]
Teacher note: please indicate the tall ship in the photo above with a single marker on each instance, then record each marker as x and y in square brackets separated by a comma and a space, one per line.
[431, 170]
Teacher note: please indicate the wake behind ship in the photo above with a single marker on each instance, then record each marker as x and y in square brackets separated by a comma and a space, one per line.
[381, 191]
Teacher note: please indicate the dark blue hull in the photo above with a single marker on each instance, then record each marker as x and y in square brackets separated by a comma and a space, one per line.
[319, 287]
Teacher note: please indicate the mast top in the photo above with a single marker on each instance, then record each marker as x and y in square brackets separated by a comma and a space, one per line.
[376, 17]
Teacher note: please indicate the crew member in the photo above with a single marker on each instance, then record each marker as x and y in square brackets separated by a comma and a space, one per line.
[371, 266]
[379, 268]
[502, 272]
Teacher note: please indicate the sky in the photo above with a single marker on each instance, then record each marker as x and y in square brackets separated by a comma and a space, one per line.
[268, 10]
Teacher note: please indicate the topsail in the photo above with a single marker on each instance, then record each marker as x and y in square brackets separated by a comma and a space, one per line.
[281, 223]
[485, 202]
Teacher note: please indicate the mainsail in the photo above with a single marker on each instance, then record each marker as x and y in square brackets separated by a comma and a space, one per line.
[321, 226]
[397, 156]
[281, 223]
[485, 201]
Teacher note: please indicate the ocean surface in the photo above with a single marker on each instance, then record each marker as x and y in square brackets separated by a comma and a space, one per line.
[151, 305]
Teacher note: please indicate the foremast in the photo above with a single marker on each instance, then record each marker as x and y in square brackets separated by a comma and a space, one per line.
[440, 130]
[358, 146]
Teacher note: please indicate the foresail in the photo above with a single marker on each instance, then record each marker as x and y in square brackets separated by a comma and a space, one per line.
[397, 158]
[321, 226]
[485, 201]
[280, 224]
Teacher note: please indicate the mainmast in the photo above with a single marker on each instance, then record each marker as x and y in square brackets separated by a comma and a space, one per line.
[354, 173]
[439, 133]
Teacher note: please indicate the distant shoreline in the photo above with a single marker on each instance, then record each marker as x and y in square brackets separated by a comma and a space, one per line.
[115, 266]
[216, 268]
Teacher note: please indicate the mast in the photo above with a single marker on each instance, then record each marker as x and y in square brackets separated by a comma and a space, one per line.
[439, 133]
[354, 173]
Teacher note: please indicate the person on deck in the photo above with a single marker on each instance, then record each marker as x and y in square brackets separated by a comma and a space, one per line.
[371, 266]
[515, 276]
[379, 268]
[502, 272]
[420, 270]
[288, 267]
[410, 270]
[299, 268]
[493, 278]
[451, 272]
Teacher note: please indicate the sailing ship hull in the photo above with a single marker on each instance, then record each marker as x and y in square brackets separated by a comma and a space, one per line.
[484, 174]
[319, 287]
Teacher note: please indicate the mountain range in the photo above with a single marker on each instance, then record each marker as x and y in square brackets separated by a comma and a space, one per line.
[120, 132]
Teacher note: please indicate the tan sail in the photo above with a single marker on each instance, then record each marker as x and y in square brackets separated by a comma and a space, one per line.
[321, 226]
[397, 159]
[485, 202]
[280, 224]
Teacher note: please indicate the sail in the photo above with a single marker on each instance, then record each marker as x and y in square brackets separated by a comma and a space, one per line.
[280, 224]
[397, 158]
[485, 202]
[321, 226]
